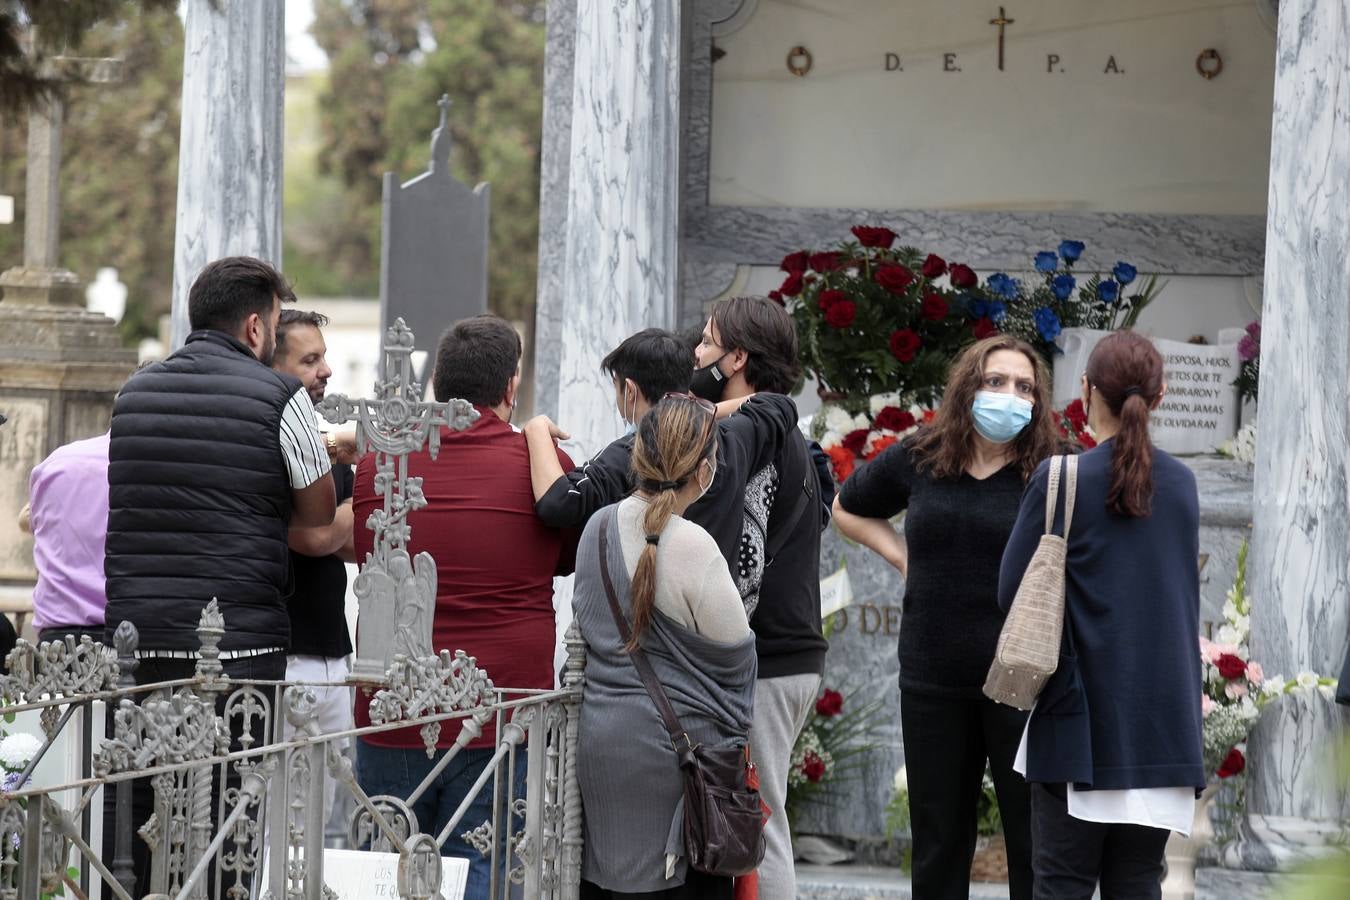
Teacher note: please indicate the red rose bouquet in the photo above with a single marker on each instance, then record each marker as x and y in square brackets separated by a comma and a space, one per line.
[874, 318]
[846, 437]
[830, 747]
[1073, 425]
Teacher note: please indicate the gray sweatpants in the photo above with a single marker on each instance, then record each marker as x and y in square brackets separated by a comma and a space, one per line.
[781, 707]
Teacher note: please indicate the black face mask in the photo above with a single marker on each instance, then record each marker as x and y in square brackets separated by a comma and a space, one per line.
[709, 382]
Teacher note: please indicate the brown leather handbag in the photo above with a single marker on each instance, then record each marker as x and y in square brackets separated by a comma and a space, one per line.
[723, 818]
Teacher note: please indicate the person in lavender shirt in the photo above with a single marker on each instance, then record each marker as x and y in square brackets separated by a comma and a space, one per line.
[68, 515]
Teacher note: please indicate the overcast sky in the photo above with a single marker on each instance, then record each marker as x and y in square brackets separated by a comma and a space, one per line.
[302, 53]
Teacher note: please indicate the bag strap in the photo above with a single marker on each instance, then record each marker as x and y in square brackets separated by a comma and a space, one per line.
[1070, 490]
[1068, 465]
[639, 658]
[1052, 494]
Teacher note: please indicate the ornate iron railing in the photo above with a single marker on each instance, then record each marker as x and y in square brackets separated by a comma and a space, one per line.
[177, 735]
[270, 807]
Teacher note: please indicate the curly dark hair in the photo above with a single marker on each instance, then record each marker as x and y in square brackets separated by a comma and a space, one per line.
[945, 447]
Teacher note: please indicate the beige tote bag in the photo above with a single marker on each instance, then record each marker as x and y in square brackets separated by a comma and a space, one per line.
[1028, 646]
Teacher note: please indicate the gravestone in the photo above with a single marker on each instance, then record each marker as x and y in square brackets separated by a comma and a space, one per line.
[60, 366]
[434, 246]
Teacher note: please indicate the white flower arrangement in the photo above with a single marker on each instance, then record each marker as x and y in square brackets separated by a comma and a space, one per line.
[1242, 446]
[16, 750]
[809, 759]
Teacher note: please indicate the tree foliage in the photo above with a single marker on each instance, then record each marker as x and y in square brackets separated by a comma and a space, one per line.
[390, 60]
[119, 160]
[60, 26]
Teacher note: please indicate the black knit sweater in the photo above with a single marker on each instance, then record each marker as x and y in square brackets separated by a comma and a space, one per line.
[956, 529]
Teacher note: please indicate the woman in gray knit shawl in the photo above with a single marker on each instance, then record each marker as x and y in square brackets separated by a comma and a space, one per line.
[674, 588]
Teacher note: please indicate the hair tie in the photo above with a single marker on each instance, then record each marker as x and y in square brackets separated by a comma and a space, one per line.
[1132, 391]
[653, 539]
[667, 485]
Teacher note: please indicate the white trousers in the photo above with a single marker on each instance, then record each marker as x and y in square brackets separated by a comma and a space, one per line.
[334, 706]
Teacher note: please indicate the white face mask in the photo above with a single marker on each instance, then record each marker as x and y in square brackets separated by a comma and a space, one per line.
[628, 415]
[712, 468]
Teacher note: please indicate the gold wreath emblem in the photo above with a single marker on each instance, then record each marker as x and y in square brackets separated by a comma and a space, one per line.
[799, 61]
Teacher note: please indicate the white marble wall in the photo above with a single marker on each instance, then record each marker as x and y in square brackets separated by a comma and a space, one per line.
[230, 151]
[621, 271]
[553, 159]
[1300, 560]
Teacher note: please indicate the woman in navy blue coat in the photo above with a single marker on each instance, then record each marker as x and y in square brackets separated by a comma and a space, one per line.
[1113, 747]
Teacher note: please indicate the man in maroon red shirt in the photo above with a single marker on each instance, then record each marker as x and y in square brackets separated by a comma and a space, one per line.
[495, 564]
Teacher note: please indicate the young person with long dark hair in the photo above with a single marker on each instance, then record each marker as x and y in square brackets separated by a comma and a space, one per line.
[673, 586]
[960, 480]
[1113, 747]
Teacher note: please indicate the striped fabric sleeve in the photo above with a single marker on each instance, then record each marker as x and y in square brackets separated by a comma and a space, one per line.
[306, 460]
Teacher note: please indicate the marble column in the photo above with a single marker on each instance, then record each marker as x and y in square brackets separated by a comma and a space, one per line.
[229, 155]
[559, 44]
[621, 256]
[1299, 567]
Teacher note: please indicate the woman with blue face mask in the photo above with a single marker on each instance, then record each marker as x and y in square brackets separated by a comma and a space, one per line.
[959, 481]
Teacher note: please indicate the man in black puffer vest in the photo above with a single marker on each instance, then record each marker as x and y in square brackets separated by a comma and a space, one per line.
[213, 456]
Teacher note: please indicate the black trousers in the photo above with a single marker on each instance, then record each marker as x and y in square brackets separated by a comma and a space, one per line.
[269, 667]
[1071, 855]
[96, 633]
[947, 741]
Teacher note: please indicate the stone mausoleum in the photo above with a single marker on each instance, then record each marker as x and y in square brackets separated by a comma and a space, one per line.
[1200, 142]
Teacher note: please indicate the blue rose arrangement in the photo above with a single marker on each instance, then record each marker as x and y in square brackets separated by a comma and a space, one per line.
[1039, 308]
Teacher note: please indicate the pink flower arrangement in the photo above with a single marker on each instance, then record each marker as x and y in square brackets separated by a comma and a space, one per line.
[1234, 689]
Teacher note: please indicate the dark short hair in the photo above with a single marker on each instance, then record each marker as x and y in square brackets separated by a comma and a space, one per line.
[231, 289]
[657, 360]
[764, 330]
[692, 336]
[475, 360]
[290, 318]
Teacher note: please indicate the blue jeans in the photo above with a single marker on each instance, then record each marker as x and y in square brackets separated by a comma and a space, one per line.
[397, 771]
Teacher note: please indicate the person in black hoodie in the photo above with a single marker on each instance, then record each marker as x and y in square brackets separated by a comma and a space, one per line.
[645, 367]
[749, 344]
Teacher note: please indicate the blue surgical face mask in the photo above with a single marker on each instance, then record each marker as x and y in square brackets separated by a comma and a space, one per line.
[1000, 417]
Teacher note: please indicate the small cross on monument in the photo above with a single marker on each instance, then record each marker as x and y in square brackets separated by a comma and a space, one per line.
[1002, 22]
[41, 281]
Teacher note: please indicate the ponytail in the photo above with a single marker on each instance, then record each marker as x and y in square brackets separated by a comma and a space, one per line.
[1131, 491]
[1125, 372]
[673, 439]
[643, 599]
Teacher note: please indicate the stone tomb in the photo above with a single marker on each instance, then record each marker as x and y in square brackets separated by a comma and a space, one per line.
[60, 368]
